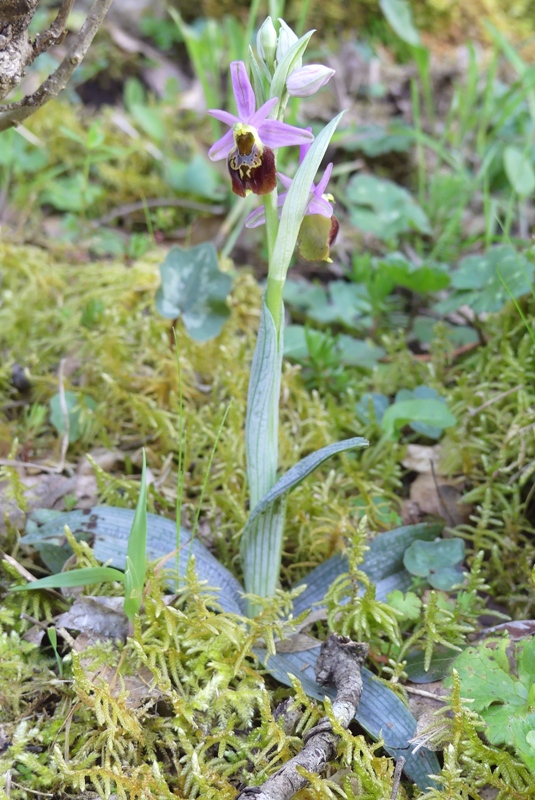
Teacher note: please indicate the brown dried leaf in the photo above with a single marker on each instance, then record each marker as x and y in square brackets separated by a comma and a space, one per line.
[97, 615]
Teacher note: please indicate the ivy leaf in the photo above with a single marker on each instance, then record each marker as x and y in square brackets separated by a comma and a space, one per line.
[499, 677]
[437, 561]
[429, 412]
[384, 209]
[477, 283]
[195, 289]
[432, 431]
[409, 604]
[75, 407]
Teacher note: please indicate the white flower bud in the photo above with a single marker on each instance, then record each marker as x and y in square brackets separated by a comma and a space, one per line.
[287, 39]
[266, 43]
[307, 80]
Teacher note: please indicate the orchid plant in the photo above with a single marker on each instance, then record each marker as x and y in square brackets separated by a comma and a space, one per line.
[302, 215]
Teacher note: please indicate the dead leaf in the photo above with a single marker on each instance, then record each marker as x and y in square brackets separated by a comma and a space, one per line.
[140, 687]
[517, 630]
[422, 458]
[296, 643]
[439, 497]
[103, 616]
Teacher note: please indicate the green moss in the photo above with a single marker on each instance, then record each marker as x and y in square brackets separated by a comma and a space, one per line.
[214, 725]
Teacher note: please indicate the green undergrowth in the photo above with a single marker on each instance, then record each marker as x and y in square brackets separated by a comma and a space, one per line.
[182, 708]
[123, 360]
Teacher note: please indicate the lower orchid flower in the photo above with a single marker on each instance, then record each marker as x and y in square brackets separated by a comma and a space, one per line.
[319, 228]
[248, 146]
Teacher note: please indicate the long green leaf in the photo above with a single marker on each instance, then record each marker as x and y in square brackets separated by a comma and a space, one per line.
[301, 470]
[297, 199]
[261, 425]
[76, 577]
[136, 554]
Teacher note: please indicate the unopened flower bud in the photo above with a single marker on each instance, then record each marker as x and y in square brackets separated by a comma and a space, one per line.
[266, 43]
[307, 80]
[287, 39]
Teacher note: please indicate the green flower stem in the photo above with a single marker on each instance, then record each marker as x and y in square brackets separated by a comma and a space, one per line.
[272, 221]
[275, 285]
[274, 291]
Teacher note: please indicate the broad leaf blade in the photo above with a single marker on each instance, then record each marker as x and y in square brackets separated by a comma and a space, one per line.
[110, 528]
[76, 577]
[383, 564]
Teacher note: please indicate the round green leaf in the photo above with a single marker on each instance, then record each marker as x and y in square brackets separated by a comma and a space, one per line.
[195, 289]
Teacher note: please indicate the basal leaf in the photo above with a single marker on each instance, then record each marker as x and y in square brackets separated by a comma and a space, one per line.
[110, 527]
[136, 554]
[381, 712]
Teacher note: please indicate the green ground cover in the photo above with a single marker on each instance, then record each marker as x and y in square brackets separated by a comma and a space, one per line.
[418, 337]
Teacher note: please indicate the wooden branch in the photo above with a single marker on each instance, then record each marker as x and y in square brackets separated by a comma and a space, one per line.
[57, 31]
[15, 45]
[13, 113]
[339, 664]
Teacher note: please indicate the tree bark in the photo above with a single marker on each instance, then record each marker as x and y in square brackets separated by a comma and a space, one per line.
[15, 46]
[17, 51]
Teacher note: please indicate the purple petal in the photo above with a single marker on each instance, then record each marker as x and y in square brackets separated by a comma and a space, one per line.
[256, 218]
[322, 185]
[262, 113]
[306, 81]
[278, 134]
[223, 116]
[222, 147]
[243, 91]
[284, 179]
[303, 150]
[318, 205]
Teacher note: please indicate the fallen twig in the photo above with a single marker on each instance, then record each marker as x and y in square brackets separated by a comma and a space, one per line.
[339, 664]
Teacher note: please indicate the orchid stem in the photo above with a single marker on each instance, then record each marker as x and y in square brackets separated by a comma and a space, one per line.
[275, 285]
